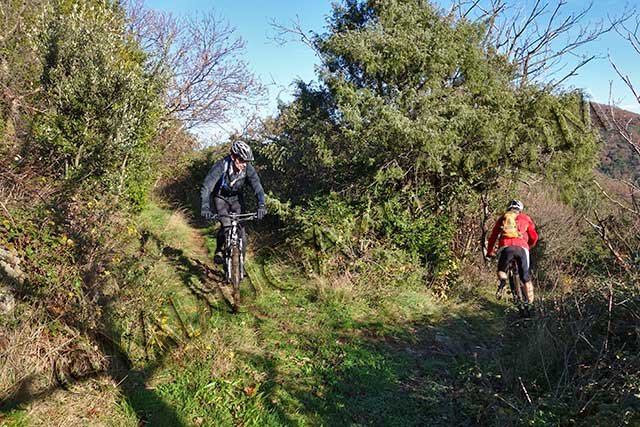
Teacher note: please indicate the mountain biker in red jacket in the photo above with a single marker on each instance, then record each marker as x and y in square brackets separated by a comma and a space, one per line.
[514, 243]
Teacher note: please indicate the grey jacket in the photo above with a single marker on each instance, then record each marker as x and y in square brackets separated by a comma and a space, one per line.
[222, 182]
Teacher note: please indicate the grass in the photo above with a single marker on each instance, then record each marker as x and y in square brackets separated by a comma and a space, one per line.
[306, 349]
[360, 348]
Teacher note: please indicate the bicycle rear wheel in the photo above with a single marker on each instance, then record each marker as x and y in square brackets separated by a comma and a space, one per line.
[516, 291]
[514, 285]
[236, 275]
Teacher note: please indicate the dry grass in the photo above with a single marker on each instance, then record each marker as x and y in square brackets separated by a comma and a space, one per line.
[173, 229]
[340, 286]
[35, 359]
[90, 403]
[178, 225]
[28, 353]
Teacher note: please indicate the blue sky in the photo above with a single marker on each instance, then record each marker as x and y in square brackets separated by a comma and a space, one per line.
[278, 65]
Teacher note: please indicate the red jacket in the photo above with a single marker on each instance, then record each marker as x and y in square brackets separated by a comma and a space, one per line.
[526, 227]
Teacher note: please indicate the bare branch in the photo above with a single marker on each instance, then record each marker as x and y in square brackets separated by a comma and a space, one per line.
[602, 231]
[573, 72]
[199, 58]
[616, 202]
[295, 33]
[626, 79]
[626, 126]
[541, 38]
[631, 35]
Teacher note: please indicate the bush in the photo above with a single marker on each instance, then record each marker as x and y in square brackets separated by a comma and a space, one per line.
[100, 108]
[415, 116]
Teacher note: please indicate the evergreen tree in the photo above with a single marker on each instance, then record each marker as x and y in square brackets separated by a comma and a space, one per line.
[414, 112]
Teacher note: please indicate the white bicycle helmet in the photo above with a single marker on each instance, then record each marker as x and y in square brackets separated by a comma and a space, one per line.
[515, 205]
[242, 150]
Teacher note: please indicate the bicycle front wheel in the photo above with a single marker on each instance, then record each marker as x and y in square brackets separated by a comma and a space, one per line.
[236, 277]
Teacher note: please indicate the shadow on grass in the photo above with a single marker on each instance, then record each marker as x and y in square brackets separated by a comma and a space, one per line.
[23, 393]
[207, 286]
[209, 281]
[420, 374]
[149, 407]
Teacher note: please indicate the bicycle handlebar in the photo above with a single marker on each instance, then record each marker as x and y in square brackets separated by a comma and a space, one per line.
[240, 217]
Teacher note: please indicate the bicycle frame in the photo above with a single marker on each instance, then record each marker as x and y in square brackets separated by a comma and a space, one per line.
[234, 252]
[516, 285]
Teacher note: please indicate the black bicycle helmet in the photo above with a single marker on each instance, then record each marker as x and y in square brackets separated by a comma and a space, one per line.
[515, 204]
[242, 150]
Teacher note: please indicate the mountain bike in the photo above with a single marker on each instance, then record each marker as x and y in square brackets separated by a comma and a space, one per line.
[517, 290]
[518, 296]
[233, 252]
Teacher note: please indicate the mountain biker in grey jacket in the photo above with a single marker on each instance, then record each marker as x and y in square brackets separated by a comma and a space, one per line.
[224, 184]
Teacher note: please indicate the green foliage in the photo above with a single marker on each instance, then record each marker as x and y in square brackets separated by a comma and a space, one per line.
[15, 418]
[298, 144]
[67, 250]
[180, 183]
[138, 175]
[228, 402]
[19, 64]
[428, 235]
[404, 84]
[556, 139]
[323, 229]
[43, 244]
[100, 108]
[413, 118]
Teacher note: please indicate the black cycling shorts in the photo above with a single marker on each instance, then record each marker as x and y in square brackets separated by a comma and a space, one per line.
[226, 206]
[521, 256]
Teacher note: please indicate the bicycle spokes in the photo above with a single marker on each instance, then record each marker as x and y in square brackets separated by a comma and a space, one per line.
[234, 252]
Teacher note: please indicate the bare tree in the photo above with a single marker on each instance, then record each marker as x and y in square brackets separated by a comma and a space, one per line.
[200, 58]
[544, 40]
[632, 35]
[621, 232]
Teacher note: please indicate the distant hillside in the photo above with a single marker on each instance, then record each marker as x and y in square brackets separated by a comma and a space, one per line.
[617, 159]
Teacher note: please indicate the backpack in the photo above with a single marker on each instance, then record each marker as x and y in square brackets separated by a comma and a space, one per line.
[227, 183]
[509, 226]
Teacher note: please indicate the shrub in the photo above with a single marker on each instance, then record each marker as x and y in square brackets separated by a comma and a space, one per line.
[100, 108]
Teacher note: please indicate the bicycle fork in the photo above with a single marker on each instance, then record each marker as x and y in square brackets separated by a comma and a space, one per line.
[233, 239]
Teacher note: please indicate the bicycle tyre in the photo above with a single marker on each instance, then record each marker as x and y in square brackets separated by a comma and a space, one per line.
[516, 291]
[516, 288]
[519, 297]
[236, 275]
